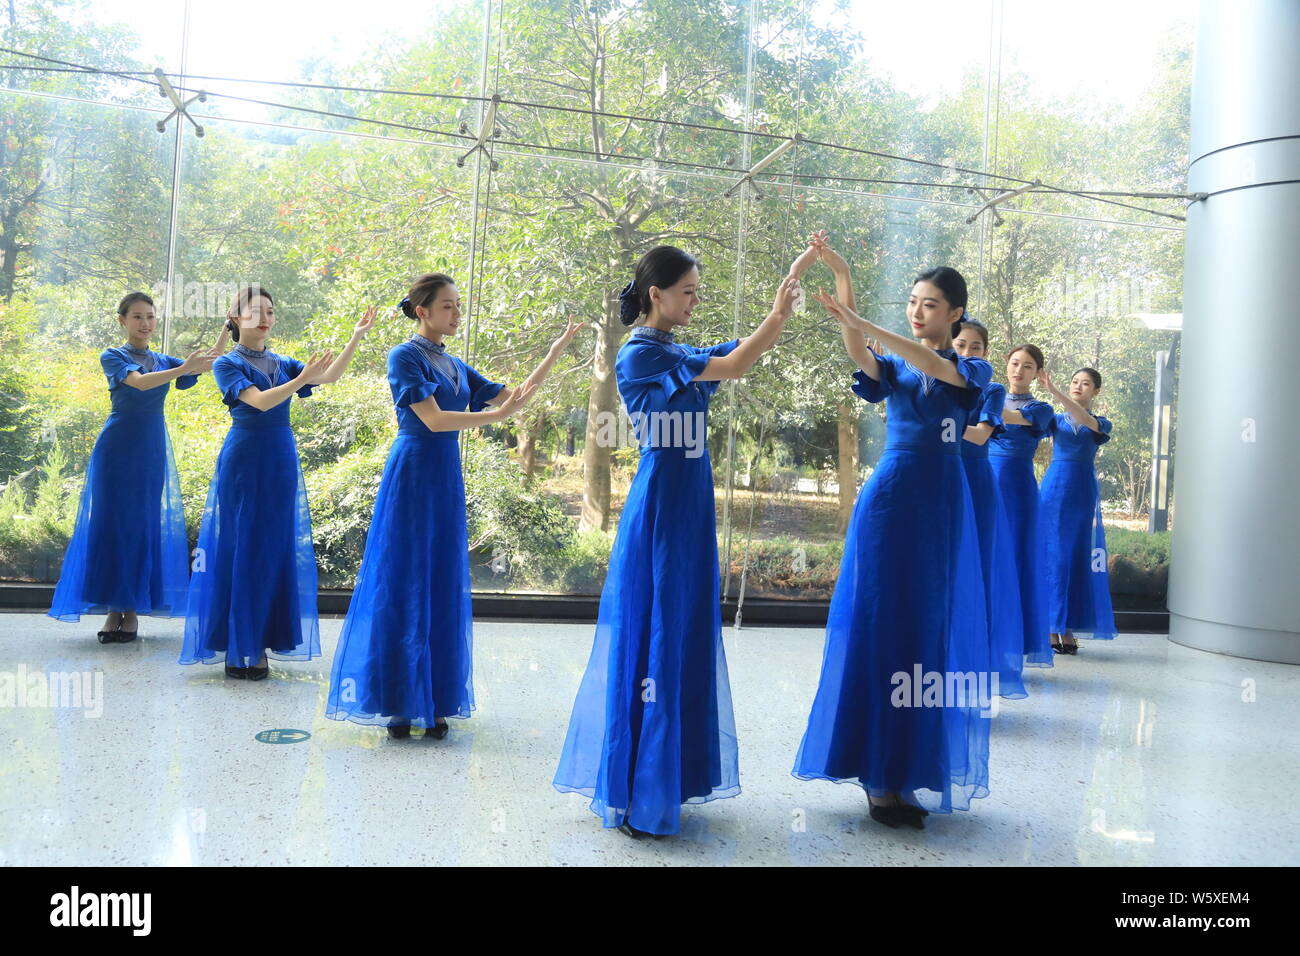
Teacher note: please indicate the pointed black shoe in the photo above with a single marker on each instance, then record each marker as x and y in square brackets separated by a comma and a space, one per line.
[399, 731]
[888, 815]
[437, 731]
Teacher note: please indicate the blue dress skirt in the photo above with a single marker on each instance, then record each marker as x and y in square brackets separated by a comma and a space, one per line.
[903, 701]
[406, 651]
[652, 726]
[997, 560]
[129, 548]
[253, 588]
[1078, 585]
[1011, 455]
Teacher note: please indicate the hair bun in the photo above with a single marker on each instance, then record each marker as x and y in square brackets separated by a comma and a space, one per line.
[405, 306]
[629, 308]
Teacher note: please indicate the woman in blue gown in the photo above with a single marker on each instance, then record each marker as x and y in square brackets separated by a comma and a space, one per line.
[652, 726]
[997, 562]
[128, 551]
[1078, 585]
[253, 590]
[405, 656]
[902, 703]
[1026, 421]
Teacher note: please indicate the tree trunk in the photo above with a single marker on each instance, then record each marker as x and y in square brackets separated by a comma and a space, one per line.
[528, 433]
[848, 463]
[600, 405]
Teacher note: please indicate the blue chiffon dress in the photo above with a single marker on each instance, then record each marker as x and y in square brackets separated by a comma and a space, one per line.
[652, 725]
[1078, 585]
[129, 549]
[997, 560]
[1011, 454]
[406, 651]
[908, 611]
[253, 589]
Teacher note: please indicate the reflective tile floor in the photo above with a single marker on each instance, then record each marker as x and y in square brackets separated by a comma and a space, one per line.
[1136, 752]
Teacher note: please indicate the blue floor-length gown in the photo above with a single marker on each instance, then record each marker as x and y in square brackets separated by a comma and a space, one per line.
[997, 560]
[253, 588]
[652, 726]
[909, 603]
[128, 549]
[1011, 453]
[405, 653]
[1078, 584]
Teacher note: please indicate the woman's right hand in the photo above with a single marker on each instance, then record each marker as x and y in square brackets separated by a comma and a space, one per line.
[315, 368]
[515, 403]
[197, 362]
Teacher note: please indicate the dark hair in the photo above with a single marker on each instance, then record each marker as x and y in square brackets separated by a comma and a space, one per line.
[1092, 374]
[423, 291]
[130, 299]
[242, 299]
[977, 327]
[662, 266]
[1035, 353]
[953, 286]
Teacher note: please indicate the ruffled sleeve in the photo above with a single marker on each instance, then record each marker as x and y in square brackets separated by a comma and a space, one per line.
[989, 411]
[231, 379]
[118, 366]
[868, 388]
[408, 377]
[481, 391]
[696, 362]
[293, 368]
[171, 361]
[1102, 436]
[649, 363]
[977, 373]
[1040, 416]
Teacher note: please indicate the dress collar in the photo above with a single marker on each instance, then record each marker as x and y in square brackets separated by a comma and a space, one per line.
[429, 346]
[246, 352]
[135, 351]
[658, 335]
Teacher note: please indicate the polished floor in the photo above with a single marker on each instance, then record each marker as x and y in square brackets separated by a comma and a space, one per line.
[1137, 752]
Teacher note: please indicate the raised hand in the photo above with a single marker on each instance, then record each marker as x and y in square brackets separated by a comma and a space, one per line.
[1045, 380]
[786, 293]
[366, 322]
[198, 361]
[821, 242]
[570, 330]
[316, 367]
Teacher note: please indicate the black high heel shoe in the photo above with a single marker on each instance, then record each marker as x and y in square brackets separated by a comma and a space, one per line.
[399, 731]
[260, 672]
[886, 813]
[107, 637]
[237, 672]
[912, 816]
[437, 731]
[634, 833]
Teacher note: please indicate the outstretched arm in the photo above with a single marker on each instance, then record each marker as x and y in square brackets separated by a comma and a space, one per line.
[922, 357]
[752, 346]
[1076, 411]
[340, 364]
[437, 420]
[544, 368]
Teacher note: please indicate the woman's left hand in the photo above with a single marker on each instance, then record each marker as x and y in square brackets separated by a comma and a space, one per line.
[366, 323]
